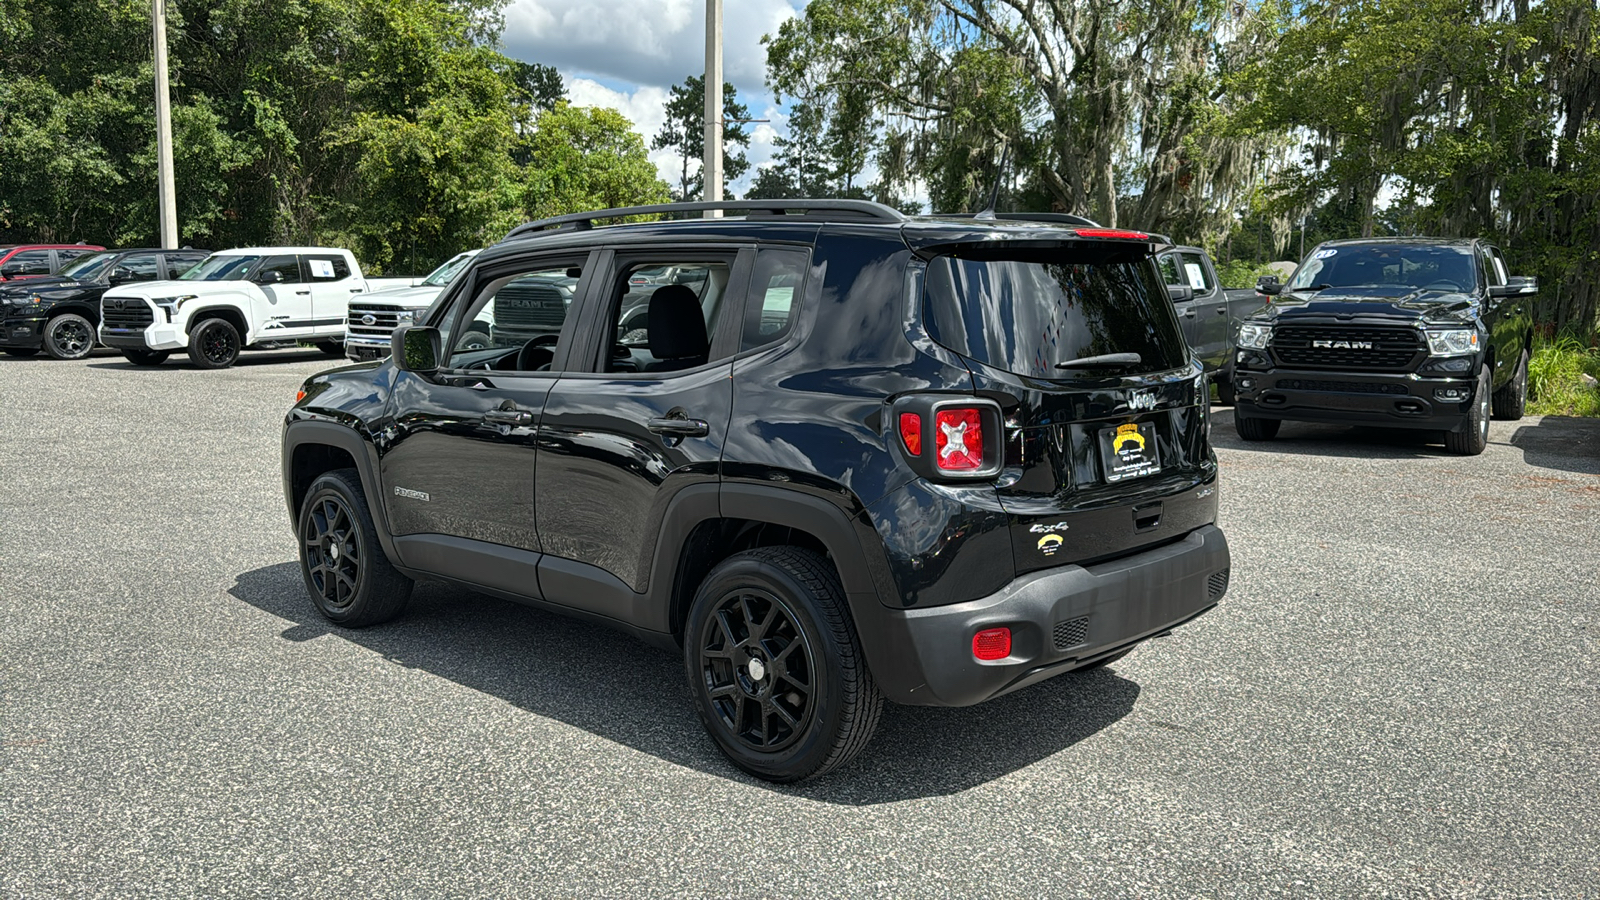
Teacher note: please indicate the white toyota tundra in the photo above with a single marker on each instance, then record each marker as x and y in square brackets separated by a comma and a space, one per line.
[256, 298]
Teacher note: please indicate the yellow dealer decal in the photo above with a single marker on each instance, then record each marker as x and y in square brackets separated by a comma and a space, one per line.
[1127, 434]
[1049, 544]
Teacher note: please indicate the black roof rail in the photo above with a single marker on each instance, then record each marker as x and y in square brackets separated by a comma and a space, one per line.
[854, 209]
[1053, 218]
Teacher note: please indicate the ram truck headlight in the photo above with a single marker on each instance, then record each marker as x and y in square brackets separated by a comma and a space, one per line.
[1254, 337]
[1456, 342]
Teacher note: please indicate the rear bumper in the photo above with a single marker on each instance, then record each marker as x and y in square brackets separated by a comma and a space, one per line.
[1388, 400]
[1061, 619]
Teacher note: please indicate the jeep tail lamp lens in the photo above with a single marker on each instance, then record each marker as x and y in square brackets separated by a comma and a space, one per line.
[1457, 342]
[958, 439]
[1254, 337]
[911, 433]
[992, 643]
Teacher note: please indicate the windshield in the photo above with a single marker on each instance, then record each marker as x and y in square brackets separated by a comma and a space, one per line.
[218, 267]
[441, 276]
[1414, 266]
[1029, 311]
[88, 268]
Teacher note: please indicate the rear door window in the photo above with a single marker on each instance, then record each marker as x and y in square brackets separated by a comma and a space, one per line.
[1195, 273]
[325, 268]
[1028, 311]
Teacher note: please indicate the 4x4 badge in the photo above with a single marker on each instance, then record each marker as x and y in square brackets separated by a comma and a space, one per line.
[1046, 529]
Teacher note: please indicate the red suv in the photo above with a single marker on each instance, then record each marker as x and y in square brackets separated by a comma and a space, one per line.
[33, 260]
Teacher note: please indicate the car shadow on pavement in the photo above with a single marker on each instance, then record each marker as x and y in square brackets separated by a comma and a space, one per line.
[1564, 443]
[625, 691]
[1352, 441]
[180, 360]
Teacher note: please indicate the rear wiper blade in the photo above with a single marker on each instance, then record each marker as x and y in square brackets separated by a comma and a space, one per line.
[1105, 361]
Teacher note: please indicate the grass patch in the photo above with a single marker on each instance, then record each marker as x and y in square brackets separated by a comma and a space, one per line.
[1555, 378]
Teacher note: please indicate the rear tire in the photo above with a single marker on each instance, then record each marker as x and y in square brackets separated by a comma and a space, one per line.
[776, 667]
[69, 336]
[21, 352]
[349, 578]
[1472, 439]
[331, 348]
[1256, 429]
[146, 357]
[1511, 401]
[214, 344]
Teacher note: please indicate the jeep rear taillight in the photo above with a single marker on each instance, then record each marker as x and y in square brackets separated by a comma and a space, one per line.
[958, 439]
[911, 432]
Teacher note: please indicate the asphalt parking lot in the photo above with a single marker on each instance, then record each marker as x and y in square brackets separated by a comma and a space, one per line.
[1400, 696]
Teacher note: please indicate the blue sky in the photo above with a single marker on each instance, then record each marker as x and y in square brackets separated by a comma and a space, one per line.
[626, 54]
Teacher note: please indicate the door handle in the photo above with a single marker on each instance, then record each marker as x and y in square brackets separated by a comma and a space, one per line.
[303, 293]
[1222, 310]
[1188, 313]
[509, 417]
[678, 426]
[355, 290]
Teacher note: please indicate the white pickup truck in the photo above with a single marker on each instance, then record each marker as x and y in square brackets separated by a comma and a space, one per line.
[255, 298]
[375, 316]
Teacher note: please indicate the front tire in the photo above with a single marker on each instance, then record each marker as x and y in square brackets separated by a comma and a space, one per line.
[1255, 429]
[349, 578]
[1471, 440]
[331, 348]
[1225, 392]
[146, 357]
[775, 665]
[1511, 401]
[69, 336]
[214, 344]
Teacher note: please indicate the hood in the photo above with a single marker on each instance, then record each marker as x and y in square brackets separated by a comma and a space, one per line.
[1399, 304]
[404, 297]
[152, 290]
[37, 283]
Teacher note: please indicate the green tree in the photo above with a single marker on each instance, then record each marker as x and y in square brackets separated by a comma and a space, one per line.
[684, 133]
[588, 158]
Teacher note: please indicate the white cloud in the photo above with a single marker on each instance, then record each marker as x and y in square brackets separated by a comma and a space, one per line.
[647, 42]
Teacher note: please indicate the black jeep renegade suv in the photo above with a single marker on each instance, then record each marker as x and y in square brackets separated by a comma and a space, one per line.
[855, 456]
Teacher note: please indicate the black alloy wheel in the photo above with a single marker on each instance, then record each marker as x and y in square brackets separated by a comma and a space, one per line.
[776, 667]
[214, 344]
[759, 671]
[146, 357]
[68, 336]
[1473, 438]
[349, 578]
[21, 352]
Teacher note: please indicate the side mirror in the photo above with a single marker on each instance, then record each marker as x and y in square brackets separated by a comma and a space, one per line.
[416, 349]
[1270, 288]
[1178, 293]
[120, 275]
[1523, 284]
[1266, 279]
[271, 276]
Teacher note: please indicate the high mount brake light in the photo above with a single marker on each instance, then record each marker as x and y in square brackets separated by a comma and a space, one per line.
[1112, 233]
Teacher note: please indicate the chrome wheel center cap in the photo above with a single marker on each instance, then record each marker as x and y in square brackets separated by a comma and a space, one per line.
[758, 670]
[333, 550]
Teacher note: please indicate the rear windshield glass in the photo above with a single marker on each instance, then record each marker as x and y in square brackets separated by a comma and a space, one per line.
[1026, 312]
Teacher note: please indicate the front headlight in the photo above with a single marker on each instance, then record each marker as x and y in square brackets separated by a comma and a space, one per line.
[405, 317]
[24, 299]
[1254, 337]
[171, 305]
[1457, 342]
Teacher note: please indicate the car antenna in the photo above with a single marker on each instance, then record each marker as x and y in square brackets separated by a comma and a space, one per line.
[999, 178]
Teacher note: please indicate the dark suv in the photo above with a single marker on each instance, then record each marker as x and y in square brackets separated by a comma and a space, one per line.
[1421, 333]
[859, 457]
[60, 313]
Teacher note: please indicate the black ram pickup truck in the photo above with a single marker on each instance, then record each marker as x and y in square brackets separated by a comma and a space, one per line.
[1420, 333]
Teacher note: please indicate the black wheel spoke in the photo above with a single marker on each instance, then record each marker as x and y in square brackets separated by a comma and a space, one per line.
[751, 631]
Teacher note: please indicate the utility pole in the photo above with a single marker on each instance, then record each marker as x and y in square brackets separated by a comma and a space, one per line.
[166, 198]
[711, 166]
